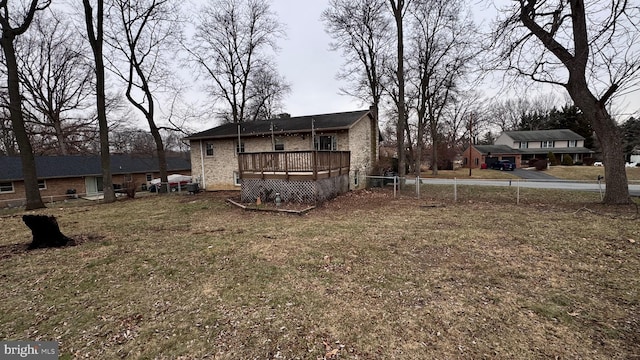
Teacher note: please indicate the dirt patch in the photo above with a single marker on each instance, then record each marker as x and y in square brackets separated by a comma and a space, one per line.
[8, 251]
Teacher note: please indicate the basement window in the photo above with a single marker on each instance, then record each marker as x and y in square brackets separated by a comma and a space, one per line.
[42, 184]
[6, 187]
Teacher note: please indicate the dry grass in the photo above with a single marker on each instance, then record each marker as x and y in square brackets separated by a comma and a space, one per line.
[463, 173]
[361, 277]
[587, 172]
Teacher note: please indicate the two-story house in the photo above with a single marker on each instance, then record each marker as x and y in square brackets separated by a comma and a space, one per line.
[522, 146]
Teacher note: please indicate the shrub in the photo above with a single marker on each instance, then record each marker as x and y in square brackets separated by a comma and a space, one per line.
[588, 161]
[539, 164]
[552, 158]
[130, 189]
[567, 160]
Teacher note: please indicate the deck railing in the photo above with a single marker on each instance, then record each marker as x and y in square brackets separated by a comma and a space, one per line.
[311, 165]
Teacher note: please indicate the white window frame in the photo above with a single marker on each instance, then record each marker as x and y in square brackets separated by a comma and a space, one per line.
[548, 144]
[5, 185]
[236, 179]
[523, 145]
[572, 143]
[278, 144]
[332, 137]
[208, 147]
[239, 147]
[42, 184]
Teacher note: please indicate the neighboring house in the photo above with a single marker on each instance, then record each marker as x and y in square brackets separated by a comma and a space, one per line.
[522, 146]
[60, 175]
[215, 152]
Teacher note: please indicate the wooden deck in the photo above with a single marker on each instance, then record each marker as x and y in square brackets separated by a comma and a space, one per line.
[294, 165]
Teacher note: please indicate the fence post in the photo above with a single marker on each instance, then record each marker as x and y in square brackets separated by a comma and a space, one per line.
[518, 196]
[395, 183]
[455, 189]
[418, 186]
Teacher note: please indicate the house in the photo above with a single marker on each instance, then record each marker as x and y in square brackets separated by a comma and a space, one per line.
[59, 176]
[521, 146]
[298, 148]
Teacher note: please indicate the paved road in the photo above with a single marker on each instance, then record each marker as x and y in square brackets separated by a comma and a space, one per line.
[533, 174]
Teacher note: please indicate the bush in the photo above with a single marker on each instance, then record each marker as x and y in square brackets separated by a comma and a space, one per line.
[588, 161]
[540, 164]
[552, 158]
[567, 160]
[130, 189]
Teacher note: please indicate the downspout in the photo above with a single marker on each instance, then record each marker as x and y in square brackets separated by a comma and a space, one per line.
[204, 183]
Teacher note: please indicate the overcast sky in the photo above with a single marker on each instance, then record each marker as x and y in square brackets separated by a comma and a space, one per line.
[308, 64]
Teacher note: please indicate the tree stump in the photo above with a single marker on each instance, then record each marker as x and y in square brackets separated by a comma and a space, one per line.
[46, 232]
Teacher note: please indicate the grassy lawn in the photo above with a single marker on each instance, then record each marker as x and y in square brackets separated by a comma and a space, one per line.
[561, 172]
[364, 276]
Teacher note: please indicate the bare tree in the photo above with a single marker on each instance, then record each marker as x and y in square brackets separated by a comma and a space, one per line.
[56, 79]
[144, 35]
[398, 8]
[267, 92]
[591, 50]
[361, 31]
[231, 47]
[440, 49]
[8, 144]
[15, 21]
[95, 35]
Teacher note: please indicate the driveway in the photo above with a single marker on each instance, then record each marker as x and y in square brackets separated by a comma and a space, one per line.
[533, 174]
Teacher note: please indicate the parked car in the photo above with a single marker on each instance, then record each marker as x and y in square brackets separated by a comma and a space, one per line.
[597, 163]
[503, 165]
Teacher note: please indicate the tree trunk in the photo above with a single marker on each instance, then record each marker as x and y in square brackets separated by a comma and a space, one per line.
[29, 174]
[617, 190]
[95, 39]
[615, 173]
[46, 232]
[397, 7]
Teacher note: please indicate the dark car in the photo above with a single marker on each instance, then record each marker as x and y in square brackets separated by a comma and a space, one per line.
[503, 165]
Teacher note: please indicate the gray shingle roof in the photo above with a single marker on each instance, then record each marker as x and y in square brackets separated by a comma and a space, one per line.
[495, 149]
[300, 124]
[504, 149]
[48, 167]
[544, 135]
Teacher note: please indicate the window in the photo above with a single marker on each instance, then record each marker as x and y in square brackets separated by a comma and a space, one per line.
[149, 177]
[239, 147]
[208, 149]
[42, 185]
[236, 179]
[573, 143]
[547, 144]
[278, 144]
[326, 142]
[356, 176]
[6, 187]
[523, 145]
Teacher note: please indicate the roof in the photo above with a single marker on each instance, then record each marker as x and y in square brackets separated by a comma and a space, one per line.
[300, 124]
[48, 167]
[504, 149]
[495, 149]
[543, 135]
